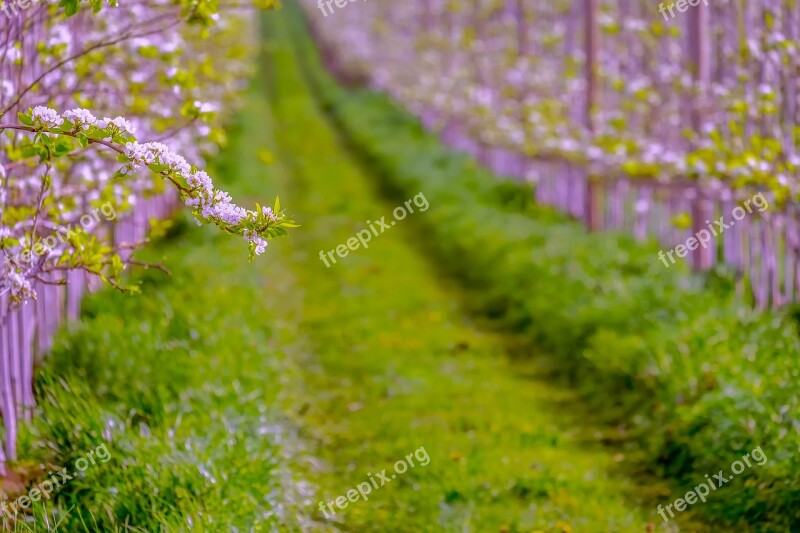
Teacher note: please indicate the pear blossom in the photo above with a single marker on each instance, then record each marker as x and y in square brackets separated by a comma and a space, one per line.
[21, 289]
[82, 118]
[121, 123]
[267, 212]
[260, 245]
[47, 117]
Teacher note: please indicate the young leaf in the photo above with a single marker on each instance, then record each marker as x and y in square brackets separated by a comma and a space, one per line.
[25, 118]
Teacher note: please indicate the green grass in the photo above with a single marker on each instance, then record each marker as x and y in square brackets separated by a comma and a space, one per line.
[691, 377]
[393, 363]
[237, 396]
[184, 380]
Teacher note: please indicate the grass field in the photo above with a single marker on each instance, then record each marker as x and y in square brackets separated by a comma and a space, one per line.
[239, 396]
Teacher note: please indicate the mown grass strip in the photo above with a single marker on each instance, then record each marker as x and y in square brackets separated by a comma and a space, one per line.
[394, 364]
[692, 377]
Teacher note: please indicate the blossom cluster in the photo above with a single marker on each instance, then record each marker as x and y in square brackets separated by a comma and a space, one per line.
[210, 204]
[82, 119]
[69, 131]
[48, 118]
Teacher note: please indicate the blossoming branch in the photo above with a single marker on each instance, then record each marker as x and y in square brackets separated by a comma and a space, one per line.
[56, 135]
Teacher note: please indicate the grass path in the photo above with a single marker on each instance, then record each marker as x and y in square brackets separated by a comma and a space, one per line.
[391, 364]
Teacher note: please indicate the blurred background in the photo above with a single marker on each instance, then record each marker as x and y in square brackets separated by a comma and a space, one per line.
[538, 269]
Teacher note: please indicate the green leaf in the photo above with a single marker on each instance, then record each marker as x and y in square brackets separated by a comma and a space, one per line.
[98, 135]
[70, 6]
[25, 118]
[61, 150]
[148, 52]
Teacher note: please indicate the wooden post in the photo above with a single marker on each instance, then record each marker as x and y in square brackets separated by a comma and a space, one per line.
[700, 67]
[591, 41]
[6, 392]
[699, 60]
[702, 210]
[522, 20]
